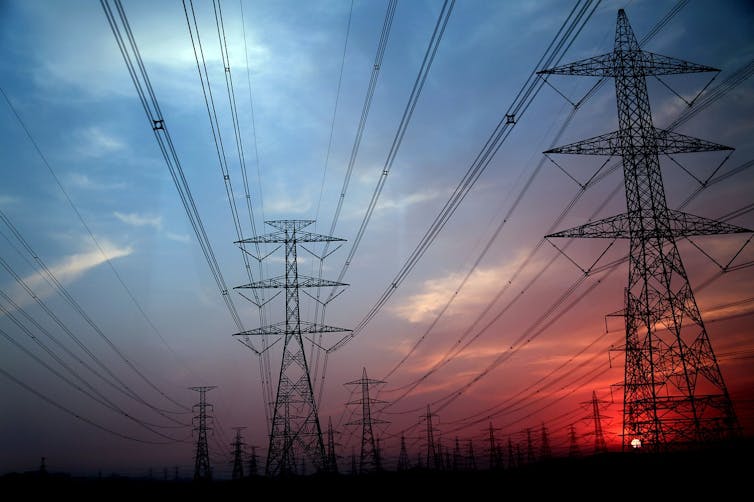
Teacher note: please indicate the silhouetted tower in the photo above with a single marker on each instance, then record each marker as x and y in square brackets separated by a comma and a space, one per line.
[403, 456]
[544, 446]
[253, 464]
[295, 430]
[433, 459]
[529, 447]
[599, 438]
[238, 454]
[378, 454]
[494, 457]
[457, 457]
[673, 390]
[470, 457]
[332, 458]
[369, 460]
[354, 465]
[202, 469]
[519, 456]
[511, 458]
[573, 448]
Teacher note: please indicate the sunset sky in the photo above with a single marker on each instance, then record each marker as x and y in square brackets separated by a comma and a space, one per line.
[496, 324]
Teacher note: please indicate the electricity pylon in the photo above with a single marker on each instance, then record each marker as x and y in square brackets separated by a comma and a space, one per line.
[573, 447]
[674, 392]
[495, 460]
[369, 459]
[238, 454]
[332, 457]
[403, 456]
[434, 461]
[600, 446]
[296, 431]
[545, 452]
[202, 468]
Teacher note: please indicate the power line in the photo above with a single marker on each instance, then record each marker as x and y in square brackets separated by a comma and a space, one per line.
[140, 78]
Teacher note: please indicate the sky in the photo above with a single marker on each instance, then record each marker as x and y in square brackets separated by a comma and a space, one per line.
[94, 169]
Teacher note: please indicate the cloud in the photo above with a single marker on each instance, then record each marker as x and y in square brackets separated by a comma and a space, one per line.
[7, 200]
[138, 220]
[287, 205]
[408, 200]
[184, 238]
[93, 142]
[482, 284]
[85, 182]
[74, 266]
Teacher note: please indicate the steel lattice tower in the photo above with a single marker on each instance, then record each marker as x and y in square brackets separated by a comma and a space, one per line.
[296, 432]
[369, 459]
[573, 446]
[600, 446]
[403, 456]
[202, 469]
[433, 458]
[238, 454]
[332, 457]
[674, 392]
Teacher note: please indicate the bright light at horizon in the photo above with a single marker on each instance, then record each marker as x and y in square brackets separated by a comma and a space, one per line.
[636, 443]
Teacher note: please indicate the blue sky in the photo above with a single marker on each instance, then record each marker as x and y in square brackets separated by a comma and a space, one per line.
[63, 74]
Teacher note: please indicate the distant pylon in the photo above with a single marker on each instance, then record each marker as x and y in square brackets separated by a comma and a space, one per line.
[457, 458]
[599, 438]
[369, 459]
[403, 464]
[674, 392]
[238, 454]
[511, 458]
[295, 430]
[544, 447]
[332, 458]
[253, 465]
[354, 465]
[529, 447]
[573, 448]
[470, 457]
[494, 457]
[202, 469]
[433, 459]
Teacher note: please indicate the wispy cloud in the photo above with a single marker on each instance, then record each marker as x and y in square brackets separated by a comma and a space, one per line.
[85, 182]
[71, 267]
[408, 200]
[139, 220]
[7, 200]
[93, 142]
[183, 238]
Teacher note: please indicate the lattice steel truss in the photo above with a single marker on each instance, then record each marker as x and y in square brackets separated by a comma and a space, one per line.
[674, 392]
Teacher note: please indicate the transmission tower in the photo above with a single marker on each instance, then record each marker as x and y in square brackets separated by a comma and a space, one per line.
[457, 458]
[529, 447]
[674, 392]
[332, 458]
[434, 461]
[599, 438]
[369, 459]
[470, 457]
[573, 448]
[403, 457]
[495, 460]
[238, 454]
[511, 459]
[295, 430]
[253, 469]
[202, 469]
[545, 452]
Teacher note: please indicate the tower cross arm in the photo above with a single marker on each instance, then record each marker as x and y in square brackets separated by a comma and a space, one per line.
[597, 66]
[305, 327]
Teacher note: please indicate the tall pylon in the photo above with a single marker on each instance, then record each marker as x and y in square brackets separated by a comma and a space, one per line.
[573, 447]
[202, 468]
[332, 457]
[470, 457]
[369, 459]
[529, 447]
[295, 432]
[403, 464]
[511, 459]
[495, 460]
[600, 446]
[434, 461]
[545, 452]
[457, 457]
[253, 468]
[674, 392]
[238, 454]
